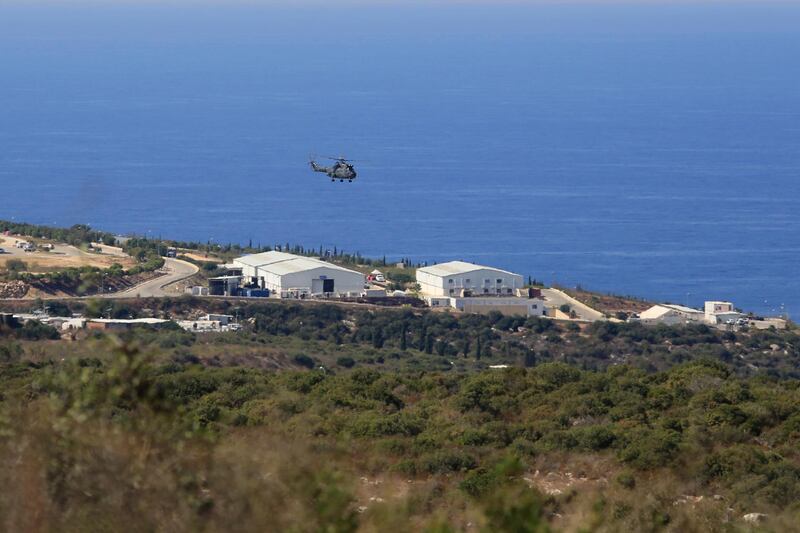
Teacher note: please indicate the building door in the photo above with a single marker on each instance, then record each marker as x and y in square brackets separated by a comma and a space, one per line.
[316, 286]
[327, 285]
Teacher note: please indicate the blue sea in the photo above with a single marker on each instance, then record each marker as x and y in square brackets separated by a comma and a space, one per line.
[649, 150]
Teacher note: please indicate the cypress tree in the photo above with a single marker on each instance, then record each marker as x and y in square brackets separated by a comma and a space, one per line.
[530, 359]
[377, 338]
[429, 343]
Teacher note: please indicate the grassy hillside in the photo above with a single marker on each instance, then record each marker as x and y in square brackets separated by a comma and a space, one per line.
[117, 441]
[319, 417]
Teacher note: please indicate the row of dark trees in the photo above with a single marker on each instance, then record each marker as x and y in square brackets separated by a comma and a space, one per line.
[75, 235]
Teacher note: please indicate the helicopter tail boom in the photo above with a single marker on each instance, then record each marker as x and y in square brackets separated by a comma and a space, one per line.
[318, 168]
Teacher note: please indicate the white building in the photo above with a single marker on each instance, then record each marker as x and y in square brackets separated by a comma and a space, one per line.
[458, 278]
[721, 313]
[476, 289]
[512, 305]
[671, 315]
[286, 275]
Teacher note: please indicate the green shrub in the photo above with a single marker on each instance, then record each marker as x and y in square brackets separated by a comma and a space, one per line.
[595, 438]
[303, 360]
[650, 448]
[378, 425]
[448, 461]
[16, 265]
[33, 330]
[626, 480]
[346, 362]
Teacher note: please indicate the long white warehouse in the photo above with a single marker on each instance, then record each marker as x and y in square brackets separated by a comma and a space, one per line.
[458, 278]
[479, 289]
[294, 276]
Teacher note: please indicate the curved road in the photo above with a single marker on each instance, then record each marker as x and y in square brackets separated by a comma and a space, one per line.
[177, 270]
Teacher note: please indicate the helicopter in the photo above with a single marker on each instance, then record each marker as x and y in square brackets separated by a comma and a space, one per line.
[341, 170]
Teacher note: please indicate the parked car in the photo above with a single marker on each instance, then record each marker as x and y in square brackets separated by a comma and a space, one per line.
[379, 278]
[47, 246]
[2, 251]
[29, 247]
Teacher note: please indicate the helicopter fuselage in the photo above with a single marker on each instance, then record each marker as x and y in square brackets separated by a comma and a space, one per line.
[338, 171]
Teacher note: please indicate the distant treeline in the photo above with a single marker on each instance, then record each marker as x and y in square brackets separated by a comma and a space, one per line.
[433, 340]
[231, 250]
[76, 235]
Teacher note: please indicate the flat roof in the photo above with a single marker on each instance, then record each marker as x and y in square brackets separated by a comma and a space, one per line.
[281, 263]
[128, 320]
[682, 308]
[458, 267]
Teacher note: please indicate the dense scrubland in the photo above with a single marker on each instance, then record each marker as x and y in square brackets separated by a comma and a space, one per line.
[321, 417]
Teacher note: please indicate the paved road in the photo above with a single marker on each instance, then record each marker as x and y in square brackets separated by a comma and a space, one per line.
[177, 270]
[557, 298]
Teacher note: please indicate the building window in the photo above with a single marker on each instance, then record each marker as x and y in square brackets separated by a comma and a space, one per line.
[499, 281]
[534, 306]
[485, 291]
[508, 291]
[467, 280]
[450, 281]
[487, 281]
[451, 291]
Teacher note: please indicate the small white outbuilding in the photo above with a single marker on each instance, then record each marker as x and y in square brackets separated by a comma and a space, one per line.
[288, 275]
[721, 313]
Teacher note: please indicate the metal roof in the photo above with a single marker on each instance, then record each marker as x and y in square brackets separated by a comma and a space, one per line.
[684, 309]
[281, 263]
[659, 310]
[128, 320]
[458, 267]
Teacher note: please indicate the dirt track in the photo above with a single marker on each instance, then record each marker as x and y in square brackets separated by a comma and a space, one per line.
[62, 256]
